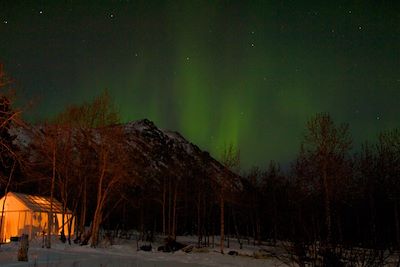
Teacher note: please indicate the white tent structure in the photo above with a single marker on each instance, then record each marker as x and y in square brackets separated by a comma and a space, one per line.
[30, 215]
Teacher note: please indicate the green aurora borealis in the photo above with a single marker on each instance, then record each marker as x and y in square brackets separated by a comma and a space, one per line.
[244, 72]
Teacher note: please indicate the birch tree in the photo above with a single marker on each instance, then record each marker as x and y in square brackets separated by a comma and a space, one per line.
[326, 147]
[230, 159]
[97, 124]
[9, 156]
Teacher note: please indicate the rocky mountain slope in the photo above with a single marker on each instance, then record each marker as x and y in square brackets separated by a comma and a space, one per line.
[157, 151]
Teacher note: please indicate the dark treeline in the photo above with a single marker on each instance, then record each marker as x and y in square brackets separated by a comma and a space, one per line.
[330, 195]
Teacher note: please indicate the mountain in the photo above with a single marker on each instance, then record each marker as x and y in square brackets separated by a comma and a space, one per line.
[168, 151]
[157, 152]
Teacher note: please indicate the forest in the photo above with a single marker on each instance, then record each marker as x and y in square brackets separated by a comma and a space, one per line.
[333, 198]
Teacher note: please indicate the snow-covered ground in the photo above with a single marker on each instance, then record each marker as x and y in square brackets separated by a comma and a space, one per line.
[124, 253]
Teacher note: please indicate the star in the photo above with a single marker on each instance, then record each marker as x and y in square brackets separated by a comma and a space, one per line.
[112, 16]
[252, 45]
[41, 12]
[359, 27]
[378, 118]
[5, 21]
[187, 58]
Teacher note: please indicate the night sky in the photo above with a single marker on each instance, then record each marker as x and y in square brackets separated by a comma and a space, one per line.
[244, 72]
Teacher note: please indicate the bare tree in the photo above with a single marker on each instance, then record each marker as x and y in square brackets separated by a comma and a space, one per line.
[112, 172]
[45, 148]
[97, 122]
[84, 147]
[230, 159]
[8, 117]
[326, 147]
[9, 155]
[271, 184]
[388, 153]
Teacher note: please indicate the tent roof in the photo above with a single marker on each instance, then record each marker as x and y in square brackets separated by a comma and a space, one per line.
[39, 203]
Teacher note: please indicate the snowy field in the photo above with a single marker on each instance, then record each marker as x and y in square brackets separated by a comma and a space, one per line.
[124, 253]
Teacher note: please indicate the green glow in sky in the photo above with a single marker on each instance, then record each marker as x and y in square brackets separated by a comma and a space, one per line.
[244, 72]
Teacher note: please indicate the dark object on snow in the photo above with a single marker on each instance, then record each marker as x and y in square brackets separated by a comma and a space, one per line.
[63, 238]
[233, 253]
[146, 247]
[86, 238]
[263, 254]
[171, 245]
[23, 248]
[85, 242]
[148, 236]
[108, 238]
[77, 239]
[14, 238]
[188, 248]
[331, 259]
[300, 250]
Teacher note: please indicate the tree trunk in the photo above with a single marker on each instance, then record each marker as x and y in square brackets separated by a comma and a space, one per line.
[275, 209]
[96, 228]
[83, 208]
[141, 220]
[23, 248]
[339, 228]
[4, 202]
[373, 218]
[63, 238]
[228, 228]
[397, 223]
[222, 211]
[50, 215]
[327, 204]
[70, 227]
[198, 221]
[204, 220]
[174, 210]
[169, 205]
[253, 224]
[213, 233]
[99, 206]
[163, 205]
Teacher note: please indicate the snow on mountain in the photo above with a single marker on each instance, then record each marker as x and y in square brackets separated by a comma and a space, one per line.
[158, 150]
[165, 148]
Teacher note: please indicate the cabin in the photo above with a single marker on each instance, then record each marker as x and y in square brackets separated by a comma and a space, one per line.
[30, 215]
